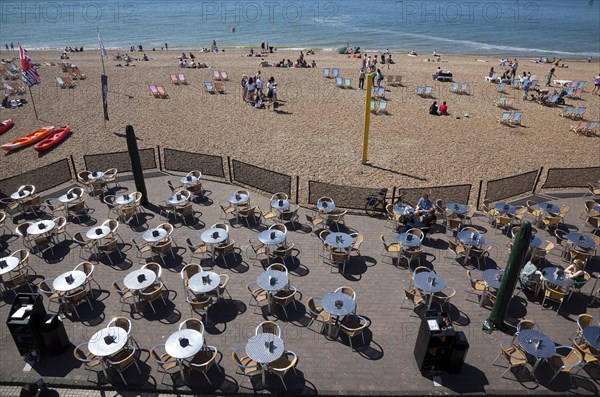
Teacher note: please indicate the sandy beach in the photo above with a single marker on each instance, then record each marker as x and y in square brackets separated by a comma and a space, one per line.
[317, 133]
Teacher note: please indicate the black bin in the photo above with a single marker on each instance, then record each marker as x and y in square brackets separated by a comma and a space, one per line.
[54, 335]
[458, 353]
[24, 320]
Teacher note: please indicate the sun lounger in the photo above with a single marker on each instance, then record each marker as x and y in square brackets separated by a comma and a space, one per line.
[327, 73]
[162, 92]
[567, 112]
[347, 83]
[578, 114]
[208, 87]
[219, 87]
[224, 76]
[69, 82]
[181, 78]
[216, 75]
[533, 83]
[174, 79]
[335, 72]
[504, 118]
[516, 118]
[339, 82]
[154, 91]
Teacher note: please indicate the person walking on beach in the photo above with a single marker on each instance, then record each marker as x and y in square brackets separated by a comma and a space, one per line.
[378, 78]
[514, 67]
[244, 87]
[361, 78]
[596, 85]
[12, 47]
[549, 79]
[166, 47]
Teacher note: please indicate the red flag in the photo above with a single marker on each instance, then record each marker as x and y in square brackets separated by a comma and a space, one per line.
[28, 71]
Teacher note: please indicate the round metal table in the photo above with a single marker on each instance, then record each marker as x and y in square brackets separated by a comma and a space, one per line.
[69, 281]
[584, 241]
[339, 240]
[177, 199]
[272, 280]
[546, 207]
[493, 277]
[21, 194]
[470, 238]
[66, 198]
[98, 232]
[556, 276]
[403, 209]
[280, 204]
[95, 175]
[537, 344]
[264, 349]
[139, 279]
[536, 242]
[271, 237]
[184, 343]
[345, 304]
[188, 180]
[591, 335]
[505, 208]
[41, 227]
[8, 264]
[124, 199]
[155, 235]
[238, 198]
[408, 240]
[203, 282]
[107, 341]
[429, 282]
[457, 208]
[214, 236]
[325, 205]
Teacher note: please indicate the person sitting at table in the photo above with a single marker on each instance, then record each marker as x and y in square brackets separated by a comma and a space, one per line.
[575, 271]
[425, 211]
[527, 275]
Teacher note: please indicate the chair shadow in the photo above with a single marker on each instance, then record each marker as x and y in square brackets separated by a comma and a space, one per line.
[470, 379]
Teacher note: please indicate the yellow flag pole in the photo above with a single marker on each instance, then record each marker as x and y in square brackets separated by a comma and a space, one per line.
[369, 78]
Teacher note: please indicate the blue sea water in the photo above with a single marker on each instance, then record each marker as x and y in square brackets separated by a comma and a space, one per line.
[521, 28]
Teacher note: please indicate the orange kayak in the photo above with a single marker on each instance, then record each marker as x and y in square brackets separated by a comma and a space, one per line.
[59, 135]
[5, 126]
[28, 139]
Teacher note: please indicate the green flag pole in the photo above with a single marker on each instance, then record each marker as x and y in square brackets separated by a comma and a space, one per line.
[136, 164]
[515, 263]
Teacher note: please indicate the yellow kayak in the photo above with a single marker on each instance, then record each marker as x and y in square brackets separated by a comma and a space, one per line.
[28, 139]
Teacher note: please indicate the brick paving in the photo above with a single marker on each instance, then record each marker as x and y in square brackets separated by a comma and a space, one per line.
[384, 365]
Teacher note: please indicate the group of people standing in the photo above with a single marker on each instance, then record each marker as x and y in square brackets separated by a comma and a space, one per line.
[253, 90]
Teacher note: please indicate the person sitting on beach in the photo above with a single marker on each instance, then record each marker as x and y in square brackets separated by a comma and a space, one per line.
[314, 64]
[443, 109]
[258, 103]
[146, 57]
[251, 52]
[433, 109]
[491, 72]
[183, 56]
[192, 56]
[264, 63]
[289, 64]
[193, 65]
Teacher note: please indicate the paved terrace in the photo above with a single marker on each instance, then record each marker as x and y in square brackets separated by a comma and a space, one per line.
[385, 365]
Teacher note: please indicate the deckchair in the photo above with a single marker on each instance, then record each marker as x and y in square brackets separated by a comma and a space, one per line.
[504, 118]
[78, 74]
[339, 82]
[174, 79]
[397, 80]
[589, 130]
[573, 84]
[14, 67]
[326, 73]
[162, 92]
[567, 112]
[216, 75]
[224, 76]
[389, 79]
[380, 92]
[4, 75]
[516, 83]
[382, 107]
[454, 87]
[373, 104]
[580, 85]
[570, 91]
[501, 87]
[153, 90]
[580, 127]
[219, 87]
[335, 72]
[576, 94]
[60, 82]
[533, 83]
[9, 89]
[347, 83]
[552, 100]
[11, 75]
[428, 91]
[509, 102]
[578, 114]
[208, 87]
[69, 82]
[419, 91]
[516, 118]
[500, 102]
[464, 87]
[181, 78]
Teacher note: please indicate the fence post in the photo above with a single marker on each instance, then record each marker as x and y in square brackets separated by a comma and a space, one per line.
[479, 193]
[537, 179]
[230, 169]
[297, 187]
[73, 164]
[159, 161]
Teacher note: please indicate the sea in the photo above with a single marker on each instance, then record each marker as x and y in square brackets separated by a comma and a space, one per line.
[541, 28]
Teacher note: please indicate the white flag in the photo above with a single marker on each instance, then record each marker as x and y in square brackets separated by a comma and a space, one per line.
[103, 52]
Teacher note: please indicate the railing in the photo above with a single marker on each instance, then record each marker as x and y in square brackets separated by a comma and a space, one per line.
[260, 178]
[119, 160]
[511, 186]
[180, 161]
[43, 178]
[571, 177]
[448, 194]
[344, 196]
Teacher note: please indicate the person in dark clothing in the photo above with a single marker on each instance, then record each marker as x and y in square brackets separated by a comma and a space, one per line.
[433, 109]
